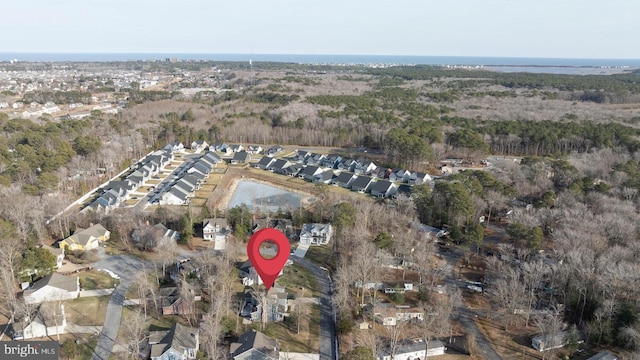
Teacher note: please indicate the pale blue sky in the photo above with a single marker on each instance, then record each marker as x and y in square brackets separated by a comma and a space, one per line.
[504, 28]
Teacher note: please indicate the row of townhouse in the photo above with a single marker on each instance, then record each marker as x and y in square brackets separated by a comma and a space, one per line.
[117, 191]
[250, 149]
[189, 178]
[362, 177]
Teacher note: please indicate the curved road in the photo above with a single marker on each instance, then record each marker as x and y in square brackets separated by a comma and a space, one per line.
[328, 338]
[124, 266]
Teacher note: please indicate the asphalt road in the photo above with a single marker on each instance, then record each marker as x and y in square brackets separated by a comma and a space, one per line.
[328, 338]
[123, 266]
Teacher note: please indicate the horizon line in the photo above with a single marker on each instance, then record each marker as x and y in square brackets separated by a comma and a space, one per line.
[309, 54]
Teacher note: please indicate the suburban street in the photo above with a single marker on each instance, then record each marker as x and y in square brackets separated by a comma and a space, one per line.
[328, 337]
[124, 267]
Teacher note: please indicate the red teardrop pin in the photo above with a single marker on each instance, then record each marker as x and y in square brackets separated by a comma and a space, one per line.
[268, 269]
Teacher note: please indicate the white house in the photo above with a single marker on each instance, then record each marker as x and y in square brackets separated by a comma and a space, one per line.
[216, 230]
[47, 320]
[174, 147]
[383, 188]
[413, 351]
[316, 234]
[174, 197]
[199, 145]
[53, 287]
[178, 343]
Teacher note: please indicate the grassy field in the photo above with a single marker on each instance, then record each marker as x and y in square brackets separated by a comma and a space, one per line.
[307, 341]
[92, 280]
[296, 277]
[321, 255]
[87, 310]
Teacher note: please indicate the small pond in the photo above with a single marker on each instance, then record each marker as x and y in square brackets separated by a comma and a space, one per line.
[264, 197]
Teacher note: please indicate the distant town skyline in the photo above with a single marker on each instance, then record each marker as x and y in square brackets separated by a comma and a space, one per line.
[491, 28]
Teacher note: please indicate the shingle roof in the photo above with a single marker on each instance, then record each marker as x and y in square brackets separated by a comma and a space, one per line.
[255, 340]
[67, 283]
[178, 337]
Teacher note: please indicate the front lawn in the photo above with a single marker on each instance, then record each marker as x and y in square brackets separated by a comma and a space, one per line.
[92, 280]
[87, 311]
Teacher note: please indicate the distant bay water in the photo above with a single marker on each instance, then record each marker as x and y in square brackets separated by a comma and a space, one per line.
[508, 64]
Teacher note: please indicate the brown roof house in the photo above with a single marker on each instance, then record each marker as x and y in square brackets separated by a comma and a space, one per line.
[177, 343]
[54, 287]
[254, 345]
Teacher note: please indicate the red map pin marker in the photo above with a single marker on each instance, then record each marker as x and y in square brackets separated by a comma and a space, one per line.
[268, 269]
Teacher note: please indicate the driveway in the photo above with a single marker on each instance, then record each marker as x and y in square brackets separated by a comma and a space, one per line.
[328, 339]
[466, 315]
[124, 266]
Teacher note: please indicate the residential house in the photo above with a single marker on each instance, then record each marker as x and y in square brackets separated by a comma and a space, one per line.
[279, 165]
[199, 146]
[47, 320]
[383, 188]
[185, 268]
[174, 197]
[86, 239]
[173, 304]
[316, 234]
[314, 159]
[413, 350]
[603, 355]
[174, 147]
[324, 177]
[402, 175]
[158, 235]
[254, 149]
[54, 287]
[265, 162]
[250, 276]
[240, 157]
[254, 345]
[274, 150]
[212, 158]
[216, 230]
[284, 225]
[200, 167]
[361, 184]
[221, 148]
[344, 179]
[390, 316]
[309, 172]
[551, 341]
[177, 343]
[331, 161]
[293, 170]
[419, 178]
[302, 155]
[274, 309]
[236, 148]
[366, 167]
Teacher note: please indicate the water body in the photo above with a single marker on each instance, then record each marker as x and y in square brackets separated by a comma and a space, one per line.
[264, 197]
[326, 59]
